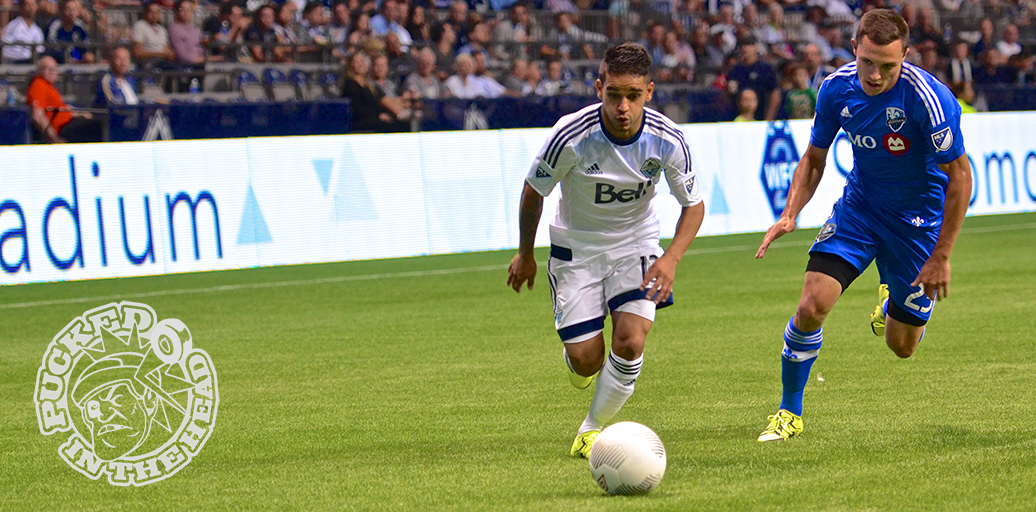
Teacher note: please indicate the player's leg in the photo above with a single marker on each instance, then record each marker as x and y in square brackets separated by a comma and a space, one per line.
[840, 252]
[616, 381]
[579, 314]
[904, 250]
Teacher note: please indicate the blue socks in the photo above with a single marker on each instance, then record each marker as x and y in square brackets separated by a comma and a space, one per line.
[800, 351]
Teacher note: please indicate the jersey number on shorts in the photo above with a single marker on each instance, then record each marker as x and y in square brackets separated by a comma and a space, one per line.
[910, 301]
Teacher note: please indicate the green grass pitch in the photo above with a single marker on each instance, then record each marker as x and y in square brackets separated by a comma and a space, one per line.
[427, 384]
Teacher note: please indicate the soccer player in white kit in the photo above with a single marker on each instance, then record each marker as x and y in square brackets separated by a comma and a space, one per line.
[604, 254]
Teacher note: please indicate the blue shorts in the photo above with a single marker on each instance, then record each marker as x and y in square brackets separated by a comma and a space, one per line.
[898, 249]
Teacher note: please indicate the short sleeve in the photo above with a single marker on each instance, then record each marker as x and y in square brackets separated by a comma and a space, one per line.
[558, 155]
[825, 120]
[679, 173]
[942, 125]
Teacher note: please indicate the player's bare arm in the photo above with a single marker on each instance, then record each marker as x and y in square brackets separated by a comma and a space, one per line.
[523, 265]
[663, 270]
[935, 273]
[803, 184]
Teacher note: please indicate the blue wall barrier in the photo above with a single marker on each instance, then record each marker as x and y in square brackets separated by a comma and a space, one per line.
[233, 120]
[14, 125]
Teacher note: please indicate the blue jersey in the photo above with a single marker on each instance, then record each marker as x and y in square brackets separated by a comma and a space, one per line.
[898, 139]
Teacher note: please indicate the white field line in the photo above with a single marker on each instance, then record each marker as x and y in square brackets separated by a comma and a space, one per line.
[397, 275]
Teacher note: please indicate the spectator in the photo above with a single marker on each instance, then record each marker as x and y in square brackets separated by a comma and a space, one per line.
[68, 28]
[150, 37]
[370, 110]
[985, 41]
[555, 83]
[388, 87]
[515, 80]
[54, 120]
[312, 33]
[677, 63]
[263, 37]
[533, 77]
[390, 19]
[185, 36]
[959, 69]
[566, 36]
[517, 29]
[747, 104]
[752, 73]
[930, 62]
[444, 38]
[466, 85]
[965, 94]
[6, 7]
[478, 38]
[726, 25]
[22, 29]
[655, 42]
[339, 28]
[928, 31]
[1008, 43]
[700, 43]
[458, 19]
[286, 28]
[809, 31]
[831, 35]
[223, 32]
[993, 71]
[772, 33]
[423, 81]
[418, 27]
[400, 62]
[715, 54]
[116, 86]
[46, 12]
[800, 101]
[361, 29]
[1021, 66]
[815, 66]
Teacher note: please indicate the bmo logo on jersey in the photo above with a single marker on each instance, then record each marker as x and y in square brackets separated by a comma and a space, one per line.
[863, 141]
[896, 143]
[606, 193]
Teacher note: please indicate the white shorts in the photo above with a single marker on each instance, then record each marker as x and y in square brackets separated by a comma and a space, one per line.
[585, 287]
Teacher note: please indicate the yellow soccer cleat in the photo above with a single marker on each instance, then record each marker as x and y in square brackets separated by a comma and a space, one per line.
[878, 317]
[783, 425]
[581, 446]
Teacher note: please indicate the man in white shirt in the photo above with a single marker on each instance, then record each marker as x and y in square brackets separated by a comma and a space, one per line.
[22, 29]
[604, 255]
[150, 37]
[466, 85]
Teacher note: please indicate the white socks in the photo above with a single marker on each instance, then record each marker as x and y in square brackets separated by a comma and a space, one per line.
[614, 387]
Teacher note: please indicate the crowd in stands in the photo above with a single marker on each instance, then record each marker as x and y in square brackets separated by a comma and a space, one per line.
[770, 56]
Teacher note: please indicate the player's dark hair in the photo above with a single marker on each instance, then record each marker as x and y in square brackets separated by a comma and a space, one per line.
[882, 27]
[626, 59]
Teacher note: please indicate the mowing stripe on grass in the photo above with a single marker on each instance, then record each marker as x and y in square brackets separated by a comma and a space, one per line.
[396, 275]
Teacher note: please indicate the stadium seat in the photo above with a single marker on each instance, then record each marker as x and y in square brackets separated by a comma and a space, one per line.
[251, 89]
[280, 88]
[329, 81]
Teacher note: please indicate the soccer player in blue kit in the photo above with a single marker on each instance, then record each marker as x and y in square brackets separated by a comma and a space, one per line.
[903, 203]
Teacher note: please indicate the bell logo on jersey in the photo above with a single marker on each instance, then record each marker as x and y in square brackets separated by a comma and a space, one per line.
[896, 144]
[942, 139]
[606, 193]
[896, 118]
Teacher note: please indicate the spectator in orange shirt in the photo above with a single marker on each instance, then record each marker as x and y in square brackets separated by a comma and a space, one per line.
[51, 116]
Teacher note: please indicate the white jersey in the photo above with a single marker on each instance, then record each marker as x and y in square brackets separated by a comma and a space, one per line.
[606, 184]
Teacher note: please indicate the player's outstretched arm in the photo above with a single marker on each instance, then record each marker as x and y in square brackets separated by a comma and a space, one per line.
[803, 184]
[523, 265]
[935, 273]
[663, 270]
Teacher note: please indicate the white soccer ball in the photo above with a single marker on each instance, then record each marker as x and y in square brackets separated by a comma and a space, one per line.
[627, 458]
